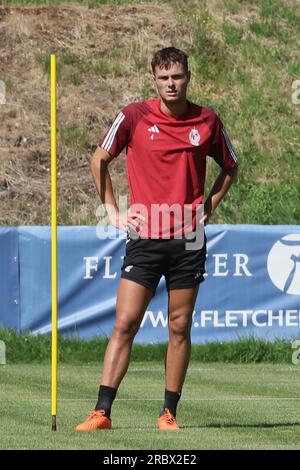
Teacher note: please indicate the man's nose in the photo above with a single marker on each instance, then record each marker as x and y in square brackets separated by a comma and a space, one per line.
[170, 82]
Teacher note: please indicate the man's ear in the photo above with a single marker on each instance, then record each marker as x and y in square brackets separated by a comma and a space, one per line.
[189, 75]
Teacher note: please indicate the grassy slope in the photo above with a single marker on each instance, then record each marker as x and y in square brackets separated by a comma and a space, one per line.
[244, 58]
[82, 2]
[245, 55]
[223, 406]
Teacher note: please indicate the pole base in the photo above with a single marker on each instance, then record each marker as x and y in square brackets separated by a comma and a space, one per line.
[53, 422]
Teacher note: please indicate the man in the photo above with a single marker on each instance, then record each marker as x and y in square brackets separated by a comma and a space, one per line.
[167, 142]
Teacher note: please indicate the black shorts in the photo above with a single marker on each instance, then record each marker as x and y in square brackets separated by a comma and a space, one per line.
[146, 260]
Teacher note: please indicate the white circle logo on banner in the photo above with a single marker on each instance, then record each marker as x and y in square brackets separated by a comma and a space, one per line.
[284, 264]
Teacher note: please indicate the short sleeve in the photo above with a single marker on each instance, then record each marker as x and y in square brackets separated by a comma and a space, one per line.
[117, 136]
[221, 147]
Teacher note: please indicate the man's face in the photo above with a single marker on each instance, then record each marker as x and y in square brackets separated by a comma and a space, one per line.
[171, 83]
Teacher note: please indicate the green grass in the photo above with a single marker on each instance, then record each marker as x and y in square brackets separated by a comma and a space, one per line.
[102, 68]
[74, 136]
[75, 78]
[8, 84]
[232, 6]
[232, 35]
[109, 69]
[26, 348]
[223, 406]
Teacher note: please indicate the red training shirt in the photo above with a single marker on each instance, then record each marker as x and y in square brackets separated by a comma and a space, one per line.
[166, 162]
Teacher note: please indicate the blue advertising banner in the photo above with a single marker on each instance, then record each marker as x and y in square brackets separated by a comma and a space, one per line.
[9, 279]
[251, 287]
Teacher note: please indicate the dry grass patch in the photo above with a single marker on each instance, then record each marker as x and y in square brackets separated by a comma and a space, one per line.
[88, 41]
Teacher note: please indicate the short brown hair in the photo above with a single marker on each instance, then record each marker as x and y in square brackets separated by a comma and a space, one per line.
[167, 56]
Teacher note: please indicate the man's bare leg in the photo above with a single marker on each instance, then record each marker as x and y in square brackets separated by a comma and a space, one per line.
[181, 307]
[132, 301]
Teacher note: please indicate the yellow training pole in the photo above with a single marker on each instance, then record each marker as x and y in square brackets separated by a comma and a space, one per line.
[53, 242]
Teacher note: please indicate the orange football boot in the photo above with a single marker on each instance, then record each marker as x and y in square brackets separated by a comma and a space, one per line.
[167, 421]
[96, 420]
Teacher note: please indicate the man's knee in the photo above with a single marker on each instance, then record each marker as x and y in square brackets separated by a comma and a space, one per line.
[180, 327]
[125, 328]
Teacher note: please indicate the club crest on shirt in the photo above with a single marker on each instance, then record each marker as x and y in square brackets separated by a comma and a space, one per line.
[194, 137]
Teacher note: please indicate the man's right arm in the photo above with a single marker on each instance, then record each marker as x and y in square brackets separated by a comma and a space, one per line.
[99, 168]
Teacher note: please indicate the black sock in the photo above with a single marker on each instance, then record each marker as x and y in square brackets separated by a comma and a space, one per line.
[106, 397]
[171, 401]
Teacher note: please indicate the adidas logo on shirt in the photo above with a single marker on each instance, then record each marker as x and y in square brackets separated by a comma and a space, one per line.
[154, 129]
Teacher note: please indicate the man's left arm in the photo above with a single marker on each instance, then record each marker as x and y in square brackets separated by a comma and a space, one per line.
[218, 191]
[224, 155]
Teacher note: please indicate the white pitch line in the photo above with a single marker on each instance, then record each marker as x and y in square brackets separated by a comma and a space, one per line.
[187, 399]
[162, 369]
